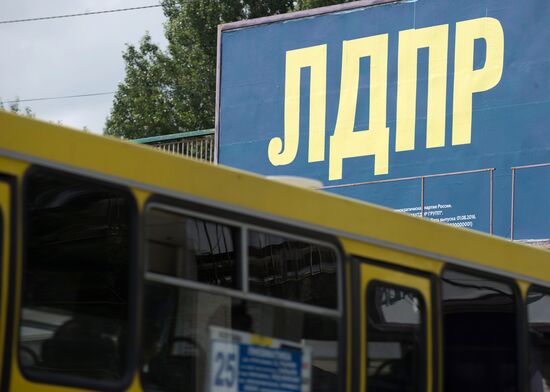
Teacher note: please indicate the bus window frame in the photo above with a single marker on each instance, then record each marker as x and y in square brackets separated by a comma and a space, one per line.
[527, 346]
[4, 262]
[131, 361]
[521, 319]
[244, 223]
[423, 325]
[391, 285]
[434, 310]
[2, 266]
[10, 225]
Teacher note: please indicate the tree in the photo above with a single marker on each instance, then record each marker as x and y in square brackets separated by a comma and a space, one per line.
[14, 108]
[174, 90]
[141, 104]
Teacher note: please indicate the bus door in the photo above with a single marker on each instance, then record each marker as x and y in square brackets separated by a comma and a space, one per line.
[5, 193]
[395, 318]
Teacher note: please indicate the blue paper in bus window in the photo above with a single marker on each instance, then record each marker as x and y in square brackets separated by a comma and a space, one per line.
[243, 362]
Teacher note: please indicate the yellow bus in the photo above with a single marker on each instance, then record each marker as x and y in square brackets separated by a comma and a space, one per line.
[126, 268]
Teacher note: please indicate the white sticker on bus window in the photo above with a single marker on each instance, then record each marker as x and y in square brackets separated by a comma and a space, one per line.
[244, 362]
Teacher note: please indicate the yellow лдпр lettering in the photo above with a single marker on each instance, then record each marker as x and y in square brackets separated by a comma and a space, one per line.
[345, 143]
[316, 58]
[436, 39]
[468, 80]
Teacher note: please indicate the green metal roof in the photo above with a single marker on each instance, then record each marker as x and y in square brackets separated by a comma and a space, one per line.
[173, 136]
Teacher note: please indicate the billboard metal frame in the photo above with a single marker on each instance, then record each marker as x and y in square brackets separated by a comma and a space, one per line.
[273, 19]
[423, 178]
[513, 202]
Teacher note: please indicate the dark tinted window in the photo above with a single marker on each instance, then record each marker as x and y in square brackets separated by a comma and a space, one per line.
[395, 339]
[479, 334]
[538, 312]
[292, 269]
[199, 338]
[75, 301]
[178, 335]
[190, 248]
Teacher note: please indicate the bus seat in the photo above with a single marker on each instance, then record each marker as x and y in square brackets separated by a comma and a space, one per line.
[77, 350]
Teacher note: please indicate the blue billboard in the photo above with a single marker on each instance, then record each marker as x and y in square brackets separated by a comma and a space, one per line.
[438, 108]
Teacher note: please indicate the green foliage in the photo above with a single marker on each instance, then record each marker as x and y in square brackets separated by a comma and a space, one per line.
[15, 108]
[174, 90]
[141, 104]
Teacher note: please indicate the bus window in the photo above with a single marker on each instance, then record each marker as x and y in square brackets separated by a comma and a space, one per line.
[177, 335]
[184, 313]
[538, 313]
[194, 249]
[292, 269]
[395, 338]
[75, 302]
[479, 333]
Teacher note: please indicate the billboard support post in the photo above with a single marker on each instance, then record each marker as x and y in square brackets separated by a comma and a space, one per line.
[491, 182]
[422, 196]
[513, 203]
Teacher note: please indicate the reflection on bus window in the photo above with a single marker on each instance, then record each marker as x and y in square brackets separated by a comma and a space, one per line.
[538, 312]
[479, 334]
[75, 279]
[292, 269]
[189, 248]
[176, 335]
[395, 339]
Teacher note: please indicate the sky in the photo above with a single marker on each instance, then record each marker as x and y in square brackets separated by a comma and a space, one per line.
[70, 56]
